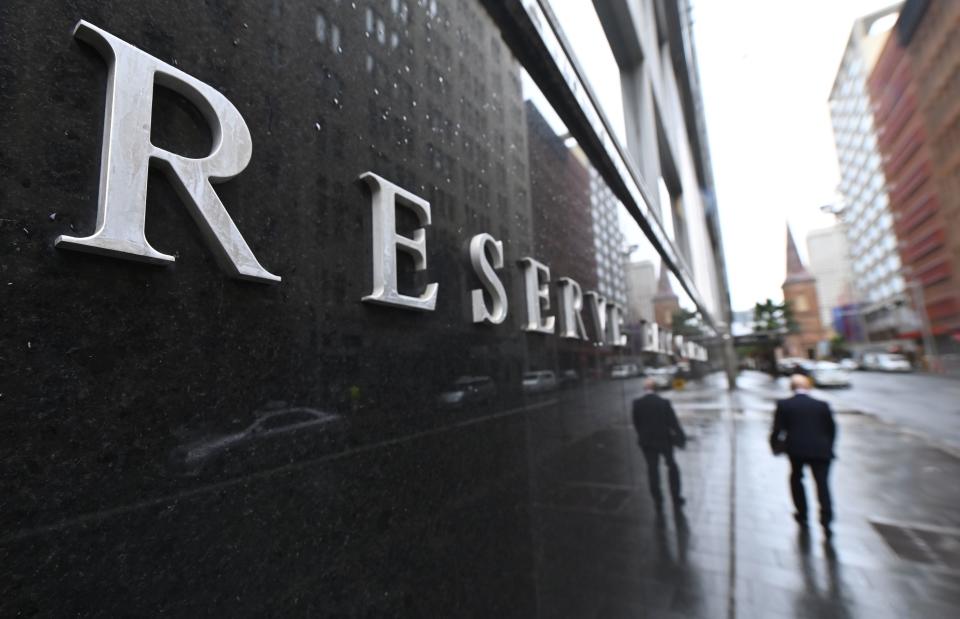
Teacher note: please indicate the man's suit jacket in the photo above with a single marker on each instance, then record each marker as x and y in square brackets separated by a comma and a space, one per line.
[807, 426]
[656, 423]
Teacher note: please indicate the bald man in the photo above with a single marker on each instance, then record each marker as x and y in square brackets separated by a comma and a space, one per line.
[803, 427]
[658, 431]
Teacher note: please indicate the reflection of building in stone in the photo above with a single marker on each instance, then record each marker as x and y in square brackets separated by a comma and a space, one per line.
[608, 240]
[641, 280]
[562, 233]
[800, 292]
[915, 92]
[665, 303]
[865, 211]
[607, 236]
[560, 197]
[450, 128]
[830, 267]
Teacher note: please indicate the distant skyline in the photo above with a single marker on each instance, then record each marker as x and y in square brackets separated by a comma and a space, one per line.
[766, 69]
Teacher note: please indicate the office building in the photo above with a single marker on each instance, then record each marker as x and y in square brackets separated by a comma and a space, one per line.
[879, 291]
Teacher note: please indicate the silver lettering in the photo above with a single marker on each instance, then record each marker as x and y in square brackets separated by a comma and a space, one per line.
[537, 296]
[385, 198]
[489, 280]
[615, 317]
[571, 304]
[598, 315]
[127, 154]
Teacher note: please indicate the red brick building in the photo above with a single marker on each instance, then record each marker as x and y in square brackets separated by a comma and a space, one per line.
[800, 292]
[915, 93]
[666, 302]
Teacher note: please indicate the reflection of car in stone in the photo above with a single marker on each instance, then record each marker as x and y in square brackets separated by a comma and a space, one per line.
[275, 437]
[829, 374]
[539, 381]
[662, 377]
[468, 391]
[568, 378]
[625, 370]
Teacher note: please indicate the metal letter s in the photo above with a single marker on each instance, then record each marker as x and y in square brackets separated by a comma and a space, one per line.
[489, 279]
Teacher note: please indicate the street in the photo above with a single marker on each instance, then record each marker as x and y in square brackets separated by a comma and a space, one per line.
[922, 403]
[734, 550]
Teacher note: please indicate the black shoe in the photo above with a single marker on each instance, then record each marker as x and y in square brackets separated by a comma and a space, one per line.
[679, 501]
[827, 531]
[801, 520]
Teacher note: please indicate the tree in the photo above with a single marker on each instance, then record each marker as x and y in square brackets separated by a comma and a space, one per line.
[771, 323]
[774, 318]
[686, 323]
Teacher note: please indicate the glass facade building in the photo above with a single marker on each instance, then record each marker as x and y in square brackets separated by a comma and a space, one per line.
[303, 337]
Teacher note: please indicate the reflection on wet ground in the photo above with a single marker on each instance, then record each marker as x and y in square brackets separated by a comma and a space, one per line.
[734, 550]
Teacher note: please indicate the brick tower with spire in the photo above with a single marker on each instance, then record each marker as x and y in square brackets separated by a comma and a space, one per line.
[800, 291]
[665, 302]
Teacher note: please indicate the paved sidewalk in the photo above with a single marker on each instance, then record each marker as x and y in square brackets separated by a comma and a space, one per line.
[734, 551]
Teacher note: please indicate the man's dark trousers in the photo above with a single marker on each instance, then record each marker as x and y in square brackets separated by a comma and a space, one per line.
[820, 469]
[652, 454]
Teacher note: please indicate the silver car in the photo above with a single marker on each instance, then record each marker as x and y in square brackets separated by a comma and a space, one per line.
[829, 374]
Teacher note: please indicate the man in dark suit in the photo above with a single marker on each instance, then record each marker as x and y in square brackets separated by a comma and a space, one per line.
[658, 432]
[803, 427]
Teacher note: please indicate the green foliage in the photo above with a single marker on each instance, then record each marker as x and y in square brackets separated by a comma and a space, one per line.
[838, 346]
[686, 323]
[774, 318]
[773, 321]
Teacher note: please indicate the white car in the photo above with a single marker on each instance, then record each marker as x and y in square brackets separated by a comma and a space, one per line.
[893, 363]
[849, 364]
[886, 362]
[829, 374]
[539, 381]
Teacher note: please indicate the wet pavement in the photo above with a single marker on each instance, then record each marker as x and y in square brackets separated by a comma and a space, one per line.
[734, 550]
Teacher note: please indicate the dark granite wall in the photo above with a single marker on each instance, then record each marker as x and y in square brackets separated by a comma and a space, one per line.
[175, 441]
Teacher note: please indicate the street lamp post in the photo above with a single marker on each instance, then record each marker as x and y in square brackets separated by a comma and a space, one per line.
[929, 344]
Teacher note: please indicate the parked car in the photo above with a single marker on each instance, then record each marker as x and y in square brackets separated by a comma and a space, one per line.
[886, 362]
[829, 374]
[468, 391]
[276, 437]
[662, 377]
[568, 378]
[794, 365]
[624, 370]
[849, 364]
[539, 381]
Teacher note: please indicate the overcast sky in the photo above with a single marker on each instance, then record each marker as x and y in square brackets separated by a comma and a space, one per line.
[766, 68]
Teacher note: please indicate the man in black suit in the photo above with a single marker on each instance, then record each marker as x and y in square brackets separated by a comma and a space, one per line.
[803, 427]
[658, 432]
